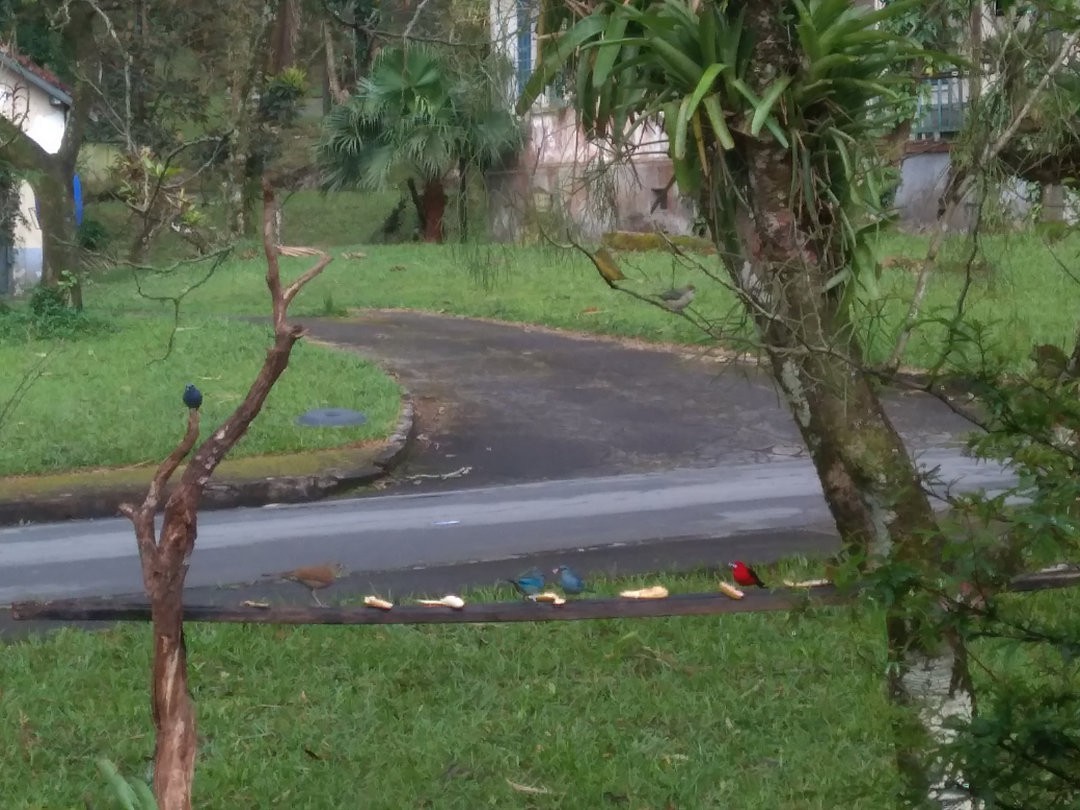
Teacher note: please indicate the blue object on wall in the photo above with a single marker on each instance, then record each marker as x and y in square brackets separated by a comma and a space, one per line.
[524, 44]
[76, 192]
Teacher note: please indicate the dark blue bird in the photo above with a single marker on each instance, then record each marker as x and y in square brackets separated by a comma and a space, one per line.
[530, 583]
[569, 581]
[192, 396]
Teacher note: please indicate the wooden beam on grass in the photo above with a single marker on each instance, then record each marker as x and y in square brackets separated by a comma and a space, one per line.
[688, 604]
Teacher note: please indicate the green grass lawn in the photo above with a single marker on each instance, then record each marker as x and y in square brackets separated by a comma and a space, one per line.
[105, 401]
[769, 711]
[1023, 297]
[753, 711]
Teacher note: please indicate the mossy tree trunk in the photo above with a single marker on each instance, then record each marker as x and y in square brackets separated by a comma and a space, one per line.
[781, 260]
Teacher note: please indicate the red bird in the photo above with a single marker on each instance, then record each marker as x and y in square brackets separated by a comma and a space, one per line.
[745, 575]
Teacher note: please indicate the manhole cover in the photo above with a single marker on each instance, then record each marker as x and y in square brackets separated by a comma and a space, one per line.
[331, 417]
[786, 450]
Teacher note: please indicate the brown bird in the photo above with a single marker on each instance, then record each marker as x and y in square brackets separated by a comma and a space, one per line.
[316, 577]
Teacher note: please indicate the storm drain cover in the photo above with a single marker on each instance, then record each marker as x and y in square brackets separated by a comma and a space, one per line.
[331, 417]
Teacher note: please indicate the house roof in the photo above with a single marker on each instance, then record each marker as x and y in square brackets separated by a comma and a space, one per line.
[38, 76]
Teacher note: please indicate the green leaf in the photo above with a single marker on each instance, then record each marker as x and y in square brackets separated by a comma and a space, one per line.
[678, 63]
[144, 795]
[863, 257]
[703, 86]
[555, 58]
[808, 35]
[678, 145]
[827, 12]
[121, 790]
[609, 48]
[839, 278]
[687, 176]
[707, 33]
[768, 101]
[820, 68]
[744, 89]
[716, 119]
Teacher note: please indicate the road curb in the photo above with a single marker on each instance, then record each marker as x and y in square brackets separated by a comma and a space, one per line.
[228, 494]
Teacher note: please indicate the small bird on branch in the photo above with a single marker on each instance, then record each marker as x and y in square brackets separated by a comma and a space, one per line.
[315, 577]
[679, 298]
[606, 266]
[745, 575]
[192, 397]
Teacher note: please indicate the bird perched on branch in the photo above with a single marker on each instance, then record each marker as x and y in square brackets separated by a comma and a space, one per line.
[316, 577]
[530, 583]
[192, 397]
[745, 575]
[606, 266]
[569, 580]
[679, 298]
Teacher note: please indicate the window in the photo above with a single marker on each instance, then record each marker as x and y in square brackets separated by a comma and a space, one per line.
[659, 199]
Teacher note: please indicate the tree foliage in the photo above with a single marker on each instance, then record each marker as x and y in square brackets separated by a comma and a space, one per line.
[415, 119]
[642, 62]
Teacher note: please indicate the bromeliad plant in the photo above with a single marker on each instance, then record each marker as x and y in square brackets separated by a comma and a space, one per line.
[690, 67]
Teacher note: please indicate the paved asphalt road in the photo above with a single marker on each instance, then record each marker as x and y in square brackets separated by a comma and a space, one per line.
[733, 505]
[647, 459]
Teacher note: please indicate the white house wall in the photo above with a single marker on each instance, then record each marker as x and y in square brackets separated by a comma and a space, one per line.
[26, 262]
[36, 114]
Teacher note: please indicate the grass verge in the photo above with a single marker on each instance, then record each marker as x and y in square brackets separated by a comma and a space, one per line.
[312, 462]
[749, 711]
[106, 401]
[1020, 296]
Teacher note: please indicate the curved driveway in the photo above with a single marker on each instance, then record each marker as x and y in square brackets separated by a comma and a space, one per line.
[518, 403]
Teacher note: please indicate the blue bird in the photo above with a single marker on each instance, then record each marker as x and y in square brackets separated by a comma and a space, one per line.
[192, 396]
[530, 583]
[569, 580]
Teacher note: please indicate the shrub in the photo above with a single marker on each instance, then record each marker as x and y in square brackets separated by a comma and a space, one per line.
[47, 316]
[92, 234]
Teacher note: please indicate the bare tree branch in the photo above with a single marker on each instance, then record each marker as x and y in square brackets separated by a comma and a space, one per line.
[165, 556]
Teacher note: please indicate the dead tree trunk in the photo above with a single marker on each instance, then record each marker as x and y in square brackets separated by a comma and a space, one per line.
[165, 557]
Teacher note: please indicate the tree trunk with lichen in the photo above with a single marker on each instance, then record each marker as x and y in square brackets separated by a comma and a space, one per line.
[165, 557]
[56, 213]
[780, 260]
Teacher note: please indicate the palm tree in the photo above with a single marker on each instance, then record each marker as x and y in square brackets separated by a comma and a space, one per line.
[415, 119]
